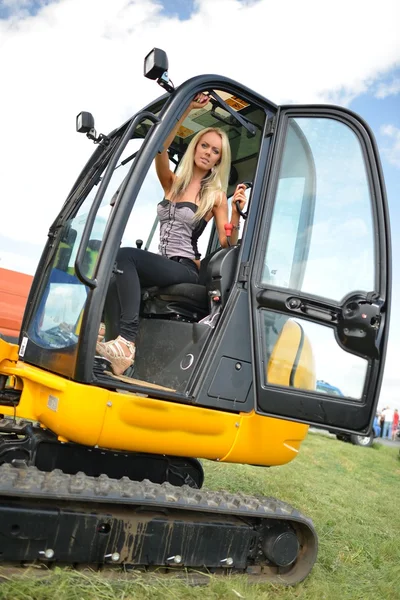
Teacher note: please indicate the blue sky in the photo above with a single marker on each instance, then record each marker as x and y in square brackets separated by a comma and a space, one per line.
[10, 9]
[61, 57]
[182, 8]
[379, 112]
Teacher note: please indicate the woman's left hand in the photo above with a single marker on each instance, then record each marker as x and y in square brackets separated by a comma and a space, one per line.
[239, 196]
[200, 101]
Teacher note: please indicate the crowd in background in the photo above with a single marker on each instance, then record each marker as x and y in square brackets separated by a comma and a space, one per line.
[388, 420]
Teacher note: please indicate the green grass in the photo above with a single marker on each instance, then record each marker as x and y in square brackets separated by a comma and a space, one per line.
[351, 493]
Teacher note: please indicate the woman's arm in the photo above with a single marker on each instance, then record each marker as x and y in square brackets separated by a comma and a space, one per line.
[220, 213]
[164, 173]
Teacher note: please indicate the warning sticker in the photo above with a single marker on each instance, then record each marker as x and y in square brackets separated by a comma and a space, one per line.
[184, 132]
[52, 403]
[236, 103]
[22, 347]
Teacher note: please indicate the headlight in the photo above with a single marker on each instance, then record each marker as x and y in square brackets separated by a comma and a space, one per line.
[84, 122]
[155, 64]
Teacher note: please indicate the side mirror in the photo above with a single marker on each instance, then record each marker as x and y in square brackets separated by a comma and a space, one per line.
[84, 122]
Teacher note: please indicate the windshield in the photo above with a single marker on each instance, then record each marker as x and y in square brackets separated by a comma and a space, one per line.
[58, 316]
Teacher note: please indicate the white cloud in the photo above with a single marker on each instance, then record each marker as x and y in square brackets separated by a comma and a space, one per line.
[392, 147]
[388, 89]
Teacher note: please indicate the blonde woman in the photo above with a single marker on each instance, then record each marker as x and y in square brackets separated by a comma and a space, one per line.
[193, 196]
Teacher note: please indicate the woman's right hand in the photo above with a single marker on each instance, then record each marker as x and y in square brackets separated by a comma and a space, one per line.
[239, 196]
[199, 101]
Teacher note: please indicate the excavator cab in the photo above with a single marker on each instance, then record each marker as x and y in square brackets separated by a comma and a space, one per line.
[226, 369]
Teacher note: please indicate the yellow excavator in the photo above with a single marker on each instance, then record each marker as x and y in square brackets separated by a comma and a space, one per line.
[102, 470]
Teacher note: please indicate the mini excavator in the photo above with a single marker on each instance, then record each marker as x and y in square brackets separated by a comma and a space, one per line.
[105, 471]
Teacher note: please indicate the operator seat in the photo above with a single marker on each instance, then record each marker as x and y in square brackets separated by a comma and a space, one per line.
[192, 301]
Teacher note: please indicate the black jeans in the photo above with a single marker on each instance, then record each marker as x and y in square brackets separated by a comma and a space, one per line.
[140, 268]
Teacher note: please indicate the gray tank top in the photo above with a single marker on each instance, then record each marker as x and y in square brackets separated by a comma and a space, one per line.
[179, 231]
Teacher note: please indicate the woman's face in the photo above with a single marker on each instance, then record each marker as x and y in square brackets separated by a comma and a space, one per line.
[208, 151]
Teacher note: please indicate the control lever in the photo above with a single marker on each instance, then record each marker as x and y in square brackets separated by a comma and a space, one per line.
[241, 213]
[248, 184]
[228, 231]
[139, 244]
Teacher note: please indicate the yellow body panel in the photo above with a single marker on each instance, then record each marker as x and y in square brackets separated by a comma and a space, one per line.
[94, 416]
[266, 441]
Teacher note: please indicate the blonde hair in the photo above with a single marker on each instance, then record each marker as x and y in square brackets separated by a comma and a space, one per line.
[212, 184]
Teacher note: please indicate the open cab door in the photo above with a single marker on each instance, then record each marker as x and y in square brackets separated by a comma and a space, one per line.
[319, 273]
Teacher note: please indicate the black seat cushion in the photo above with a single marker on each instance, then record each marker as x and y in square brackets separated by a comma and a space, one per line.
[186, 301]
[185, 293]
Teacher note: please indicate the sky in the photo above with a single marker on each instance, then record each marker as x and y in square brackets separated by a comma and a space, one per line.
[61, 57]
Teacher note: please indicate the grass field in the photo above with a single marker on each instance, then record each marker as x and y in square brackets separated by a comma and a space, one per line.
[351, 493]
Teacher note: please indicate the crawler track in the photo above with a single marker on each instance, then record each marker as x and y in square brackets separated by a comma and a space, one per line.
[80, 520]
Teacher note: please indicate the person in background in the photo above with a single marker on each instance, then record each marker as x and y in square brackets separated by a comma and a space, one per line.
[388, 413]
[376, 427]
[395, 423]
[381, 422]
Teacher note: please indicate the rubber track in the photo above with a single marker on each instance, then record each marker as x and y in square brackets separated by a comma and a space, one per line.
[27, 483]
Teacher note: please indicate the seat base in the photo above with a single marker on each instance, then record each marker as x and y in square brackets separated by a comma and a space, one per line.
[183, 300]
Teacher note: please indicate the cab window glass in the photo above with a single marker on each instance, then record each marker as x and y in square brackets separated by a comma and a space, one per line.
[321, 239]
[306, 356]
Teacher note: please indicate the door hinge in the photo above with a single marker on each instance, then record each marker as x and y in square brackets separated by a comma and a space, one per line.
[244, 272]
[270, 126]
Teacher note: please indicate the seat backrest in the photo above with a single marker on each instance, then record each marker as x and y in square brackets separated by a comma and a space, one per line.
[221, 270]
[203, 273]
